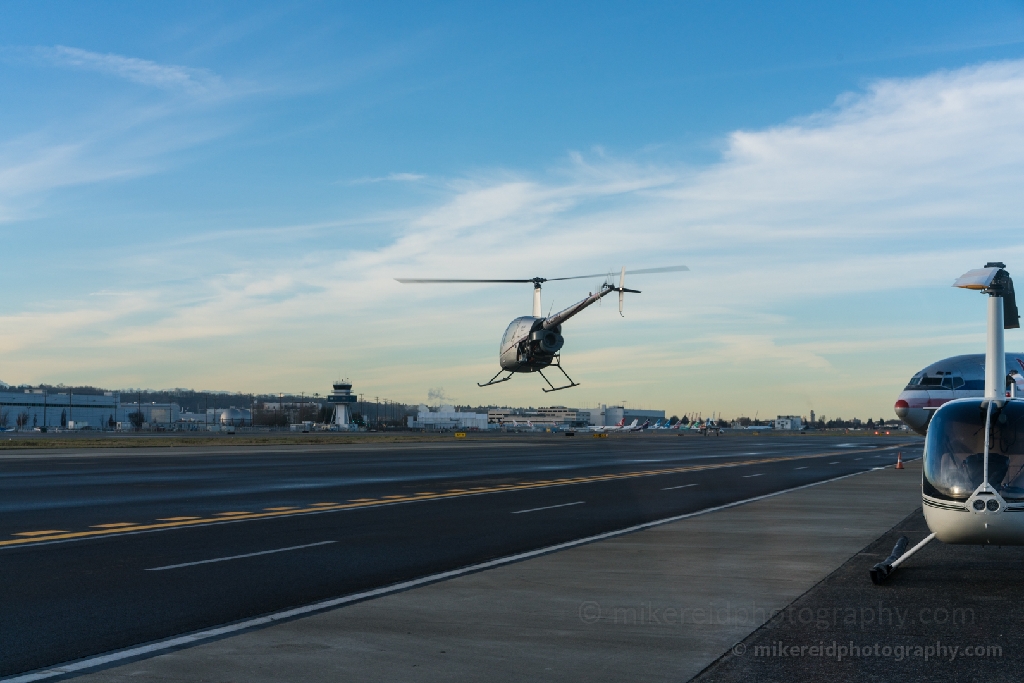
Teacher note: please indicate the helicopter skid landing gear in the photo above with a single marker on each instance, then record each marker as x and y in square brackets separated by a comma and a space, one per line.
[495, 380]
[557, 364]
[881, 571]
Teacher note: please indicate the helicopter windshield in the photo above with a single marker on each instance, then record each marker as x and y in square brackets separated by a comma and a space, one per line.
[955, 451]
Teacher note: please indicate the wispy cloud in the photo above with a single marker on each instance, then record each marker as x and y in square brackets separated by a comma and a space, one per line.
[389, 178]
[821, 251]
[141, 71]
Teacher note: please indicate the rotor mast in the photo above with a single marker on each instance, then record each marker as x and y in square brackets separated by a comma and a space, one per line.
[536, 296]
[995, 355]
[1002, 315]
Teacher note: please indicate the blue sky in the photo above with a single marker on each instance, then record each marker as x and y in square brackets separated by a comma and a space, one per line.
[218, 196]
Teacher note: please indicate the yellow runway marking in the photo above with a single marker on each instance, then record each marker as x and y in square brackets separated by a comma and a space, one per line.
[116, 525]
[50, 535]
[318, 504]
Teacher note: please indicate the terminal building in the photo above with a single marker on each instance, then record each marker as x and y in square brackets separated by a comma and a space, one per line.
[562, 416]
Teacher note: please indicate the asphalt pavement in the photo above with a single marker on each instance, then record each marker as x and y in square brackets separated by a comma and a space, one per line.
[108, 550]
[949, 613]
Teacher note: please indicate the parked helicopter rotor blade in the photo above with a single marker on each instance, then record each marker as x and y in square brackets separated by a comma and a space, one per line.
[423, 280]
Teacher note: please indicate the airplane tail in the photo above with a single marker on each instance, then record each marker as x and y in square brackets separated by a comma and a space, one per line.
[622, 423]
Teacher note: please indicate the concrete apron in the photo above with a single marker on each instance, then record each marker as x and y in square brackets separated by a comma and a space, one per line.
[660, 604]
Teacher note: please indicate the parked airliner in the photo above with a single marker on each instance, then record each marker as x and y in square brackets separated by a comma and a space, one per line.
[608, 428]
[955, 377]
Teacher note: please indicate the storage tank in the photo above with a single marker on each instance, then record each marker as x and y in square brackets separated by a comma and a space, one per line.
[233, 417]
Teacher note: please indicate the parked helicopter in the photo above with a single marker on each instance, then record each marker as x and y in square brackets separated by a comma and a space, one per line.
[973, 484]
[533, 343]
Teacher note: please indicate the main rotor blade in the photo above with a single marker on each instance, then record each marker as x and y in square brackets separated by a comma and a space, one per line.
[666, 269]
[644, 271]
[422, 280]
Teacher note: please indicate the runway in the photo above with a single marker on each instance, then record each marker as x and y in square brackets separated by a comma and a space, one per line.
[104, 551]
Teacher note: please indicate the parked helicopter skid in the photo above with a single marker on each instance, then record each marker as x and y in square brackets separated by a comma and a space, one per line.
[973, 484]
[533, 343]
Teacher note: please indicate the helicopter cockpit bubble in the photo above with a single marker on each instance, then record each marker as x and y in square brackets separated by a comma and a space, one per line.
[955, 446]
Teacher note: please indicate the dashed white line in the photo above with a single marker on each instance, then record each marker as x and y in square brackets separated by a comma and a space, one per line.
[834, 463]
[238, 557]
[197, 637]
[748, 476]
[672, 488]
[800, 468]
[549, 507]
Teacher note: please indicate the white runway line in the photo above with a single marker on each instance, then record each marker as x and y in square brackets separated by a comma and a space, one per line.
[800, 468]
[834, 463]
[748, 476]
[238, 557]
[549, 507]
[220, 631]
[672, 488]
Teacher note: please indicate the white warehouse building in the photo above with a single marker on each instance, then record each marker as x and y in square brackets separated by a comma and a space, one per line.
[446, 417]
[791, 423]
[37, 408]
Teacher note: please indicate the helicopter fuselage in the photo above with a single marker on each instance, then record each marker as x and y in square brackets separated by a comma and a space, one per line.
[527, 346]
[968, 498]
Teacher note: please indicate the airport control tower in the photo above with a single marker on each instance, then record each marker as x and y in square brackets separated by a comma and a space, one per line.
[342, 398]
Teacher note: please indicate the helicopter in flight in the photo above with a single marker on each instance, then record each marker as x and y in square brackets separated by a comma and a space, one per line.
[972, 490]
[533, 343]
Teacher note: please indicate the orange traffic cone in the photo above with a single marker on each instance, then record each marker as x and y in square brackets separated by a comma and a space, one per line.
[899, 460]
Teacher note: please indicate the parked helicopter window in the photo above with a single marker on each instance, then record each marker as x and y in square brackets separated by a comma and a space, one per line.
[955, 451]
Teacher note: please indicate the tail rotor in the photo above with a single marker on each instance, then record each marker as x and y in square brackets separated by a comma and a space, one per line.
[622, 289]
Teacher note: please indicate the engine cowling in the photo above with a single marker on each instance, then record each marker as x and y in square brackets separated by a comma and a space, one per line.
[549, 341]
